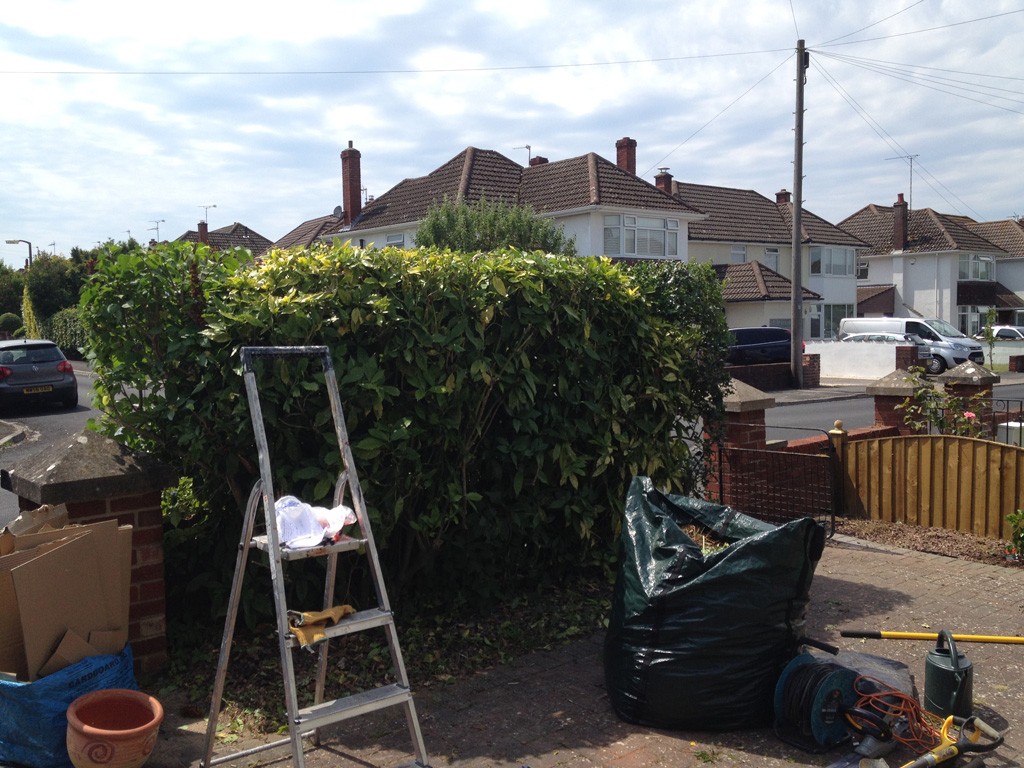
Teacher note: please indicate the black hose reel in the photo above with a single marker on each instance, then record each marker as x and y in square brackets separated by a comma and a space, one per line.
[816, 706]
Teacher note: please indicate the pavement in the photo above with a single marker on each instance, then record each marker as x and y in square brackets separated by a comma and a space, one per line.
[551, 708]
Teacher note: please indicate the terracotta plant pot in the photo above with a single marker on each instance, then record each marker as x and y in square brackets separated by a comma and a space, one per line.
[113, 728]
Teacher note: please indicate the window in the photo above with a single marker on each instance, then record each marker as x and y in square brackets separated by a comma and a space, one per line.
[397, 241]
[640, 236]
[974, 266]
[971, 319]
[832, 261]
[771, 258]
[862, 269]
[738, 254]
[831, 314]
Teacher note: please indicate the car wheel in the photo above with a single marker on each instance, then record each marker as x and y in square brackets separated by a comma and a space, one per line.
[935, 365]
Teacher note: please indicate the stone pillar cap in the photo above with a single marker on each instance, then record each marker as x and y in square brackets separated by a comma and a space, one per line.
[969, 373]
[895, 384]
[744, 398]
[88, 468]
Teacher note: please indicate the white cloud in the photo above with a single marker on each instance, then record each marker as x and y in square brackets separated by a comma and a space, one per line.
[87, 157]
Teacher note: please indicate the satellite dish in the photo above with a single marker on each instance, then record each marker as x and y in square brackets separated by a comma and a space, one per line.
[338, 211]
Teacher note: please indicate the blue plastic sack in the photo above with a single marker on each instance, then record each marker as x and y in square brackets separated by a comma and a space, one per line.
[33, 716]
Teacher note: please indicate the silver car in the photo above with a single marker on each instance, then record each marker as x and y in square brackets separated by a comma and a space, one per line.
[35, 370]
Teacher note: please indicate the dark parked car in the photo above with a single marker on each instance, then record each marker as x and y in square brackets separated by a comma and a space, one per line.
[34, 370]
[763, 344]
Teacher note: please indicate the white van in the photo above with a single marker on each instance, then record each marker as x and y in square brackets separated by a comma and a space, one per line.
[949, 347]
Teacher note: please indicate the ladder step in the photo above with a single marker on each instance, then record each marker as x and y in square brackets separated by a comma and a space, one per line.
[355, 622]
[361, 703]
[343, 544]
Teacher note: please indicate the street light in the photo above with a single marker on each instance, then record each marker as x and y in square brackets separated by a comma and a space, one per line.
[15, 242]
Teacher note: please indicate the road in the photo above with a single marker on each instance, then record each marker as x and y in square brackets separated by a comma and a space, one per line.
[45, 427]
[807, 419]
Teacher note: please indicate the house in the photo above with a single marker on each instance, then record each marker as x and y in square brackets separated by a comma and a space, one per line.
[604, 206]
[930, 264]
[233, 236]
[743, 227]
[610, 211]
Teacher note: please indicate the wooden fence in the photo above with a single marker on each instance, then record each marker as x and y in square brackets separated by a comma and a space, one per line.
[958, 483]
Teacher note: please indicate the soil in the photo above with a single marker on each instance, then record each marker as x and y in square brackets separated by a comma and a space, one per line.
[938, 541]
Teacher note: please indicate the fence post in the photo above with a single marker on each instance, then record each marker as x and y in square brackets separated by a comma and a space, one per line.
[839, 438]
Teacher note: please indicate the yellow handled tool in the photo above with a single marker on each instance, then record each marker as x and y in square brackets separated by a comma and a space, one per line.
[968, 739]
[881, 634]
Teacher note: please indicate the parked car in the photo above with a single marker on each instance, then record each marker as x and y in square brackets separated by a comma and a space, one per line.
[923, 350]
[1011, 332]
[948, 346]
[762, 344]
[34, 370]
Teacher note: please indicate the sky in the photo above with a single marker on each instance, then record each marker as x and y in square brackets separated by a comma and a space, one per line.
[125, 118]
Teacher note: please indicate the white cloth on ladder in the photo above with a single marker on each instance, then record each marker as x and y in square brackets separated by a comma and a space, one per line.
[302, 525]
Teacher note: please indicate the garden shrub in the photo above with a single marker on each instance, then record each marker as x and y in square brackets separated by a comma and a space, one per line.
[65, 330]
[498, 404]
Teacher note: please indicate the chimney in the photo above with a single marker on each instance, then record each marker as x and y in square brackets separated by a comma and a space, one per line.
[783, 196]
[899, 224]
[663, 181]
[625, 154]
[538, 160]
[204, 233]
[351, 184]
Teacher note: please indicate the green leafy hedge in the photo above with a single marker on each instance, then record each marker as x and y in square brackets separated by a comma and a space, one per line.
[498, 404]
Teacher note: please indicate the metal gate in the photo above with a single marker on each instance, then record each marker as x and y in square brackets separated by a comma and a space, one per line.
[779, 485]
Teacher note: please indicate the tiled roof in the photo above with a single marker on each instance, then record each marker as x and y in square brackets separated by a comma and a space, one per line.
[308, 231]
[232, 236]
[753, 281]
[876, 298]
[1007, 234]
[473, 174]
[745, 216]
[927, 231]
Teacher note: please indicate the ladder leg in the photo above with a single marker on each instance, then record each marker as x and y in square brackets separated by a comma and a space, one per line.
[229, 624]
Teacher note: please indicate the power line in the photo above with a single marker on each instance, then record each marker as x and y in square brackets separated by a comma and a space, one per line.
[922, 31]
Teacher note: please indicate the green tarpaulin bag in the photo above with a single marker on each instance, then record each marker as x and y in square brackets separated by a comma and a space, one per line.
[698, 642]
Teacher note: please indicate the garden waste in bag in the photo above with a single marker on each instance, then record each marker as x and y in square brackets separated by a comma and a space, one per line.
[698, 641]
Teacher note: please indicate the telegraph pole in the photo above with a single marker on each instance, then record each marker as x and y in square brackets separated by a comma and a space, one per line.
[797, 301]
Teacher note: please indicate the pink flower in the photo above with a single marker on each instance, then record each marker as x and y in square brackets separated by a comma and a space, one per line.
[969, 415]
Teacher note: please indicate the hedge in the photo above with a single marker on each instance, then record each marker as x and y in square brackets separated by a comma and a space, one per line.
[498, 404]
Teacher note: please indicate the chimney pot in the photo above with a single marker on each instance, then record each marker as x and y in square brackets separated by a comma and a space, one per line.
[625, 154]
[351, 184]
[783, 196]
[538, 160]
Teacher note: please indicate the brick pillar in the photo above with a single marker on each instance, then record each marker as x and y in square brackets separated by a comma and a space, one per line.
[890, 391]
[906, 358]
[743, 427]
[99, 479]
[812, 371]
[971, 382]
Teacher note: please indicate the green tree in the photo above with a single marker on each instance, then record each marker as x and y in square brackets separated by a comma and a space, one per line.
[54, 283]
[12, 284]
[489, 226]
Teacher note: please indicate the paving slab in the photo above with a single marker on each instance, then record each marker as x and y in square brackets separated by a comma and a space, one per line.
[551, 709]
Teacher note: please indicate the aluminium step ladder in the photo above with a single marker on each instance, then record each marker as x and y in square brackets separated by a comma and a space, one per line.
[307, 721]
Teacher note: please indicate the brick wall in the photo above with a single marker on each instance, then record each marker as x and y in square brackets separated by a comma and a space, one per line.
[147, 631]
